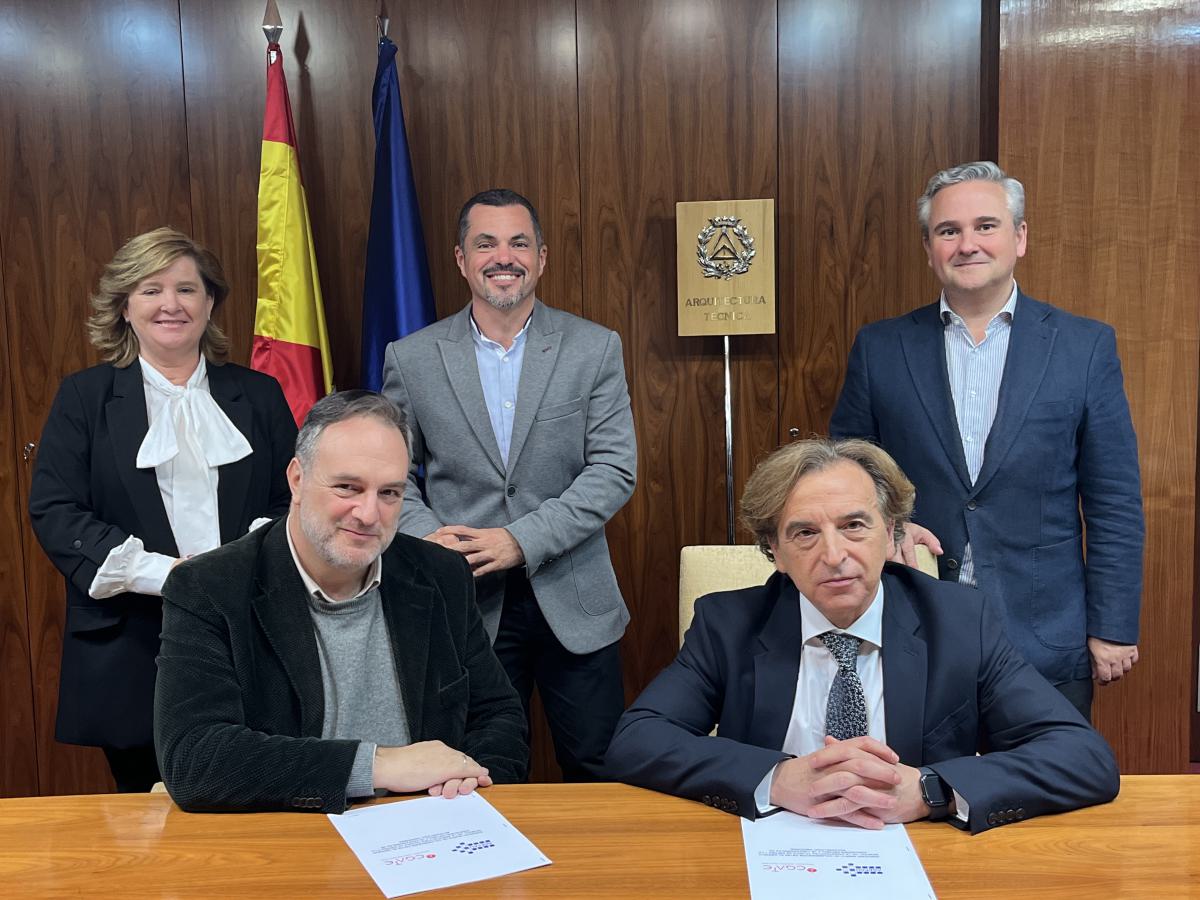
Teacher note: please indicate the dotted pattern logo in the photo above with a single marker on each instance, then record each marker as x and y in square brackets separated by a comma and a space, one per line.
[470, 847]
[854, 870]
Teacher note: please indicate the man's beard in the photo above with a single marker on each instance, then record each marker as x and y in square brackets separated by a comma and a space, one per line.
[501, 301]
[321, 538]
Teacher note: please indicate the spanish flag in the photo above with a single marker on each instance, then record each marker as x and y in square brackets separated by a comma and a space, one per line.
[290, 340]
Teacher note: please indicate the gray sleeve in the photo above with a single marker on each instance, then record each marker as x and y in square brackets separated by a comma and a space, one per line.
[362, 772]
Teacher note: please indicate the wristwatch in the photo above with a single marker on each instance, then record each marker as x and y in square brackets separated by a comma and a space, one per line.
[936, 794]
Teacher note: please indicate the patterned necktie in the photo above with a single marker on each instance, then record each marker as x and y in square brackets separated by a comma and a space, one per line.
[846, 713]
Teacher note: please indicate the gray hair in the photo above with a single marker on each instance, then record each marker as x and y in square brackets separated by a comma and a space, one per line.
[343, 405]
[1014, 191]
[768, 488]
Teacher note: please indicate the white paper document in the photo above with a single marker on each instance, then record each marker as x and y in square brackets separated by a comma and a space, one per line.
[430, 843]
[791, 856]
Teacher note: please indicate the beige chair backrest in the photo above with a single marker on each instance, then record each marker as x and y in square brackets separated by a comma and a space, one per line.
[706, 568]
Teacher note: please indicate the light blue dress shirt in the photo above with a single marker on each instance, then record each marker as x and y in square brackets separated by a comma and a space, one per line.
[500, 378]
[975, 372]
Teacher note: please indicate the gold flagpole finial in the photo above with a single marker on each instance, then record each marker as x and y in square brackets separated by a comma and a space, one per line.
[272, 25]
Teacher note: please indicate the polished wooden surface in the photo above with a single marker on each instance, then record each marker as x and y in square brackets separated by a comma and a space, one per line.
[93, 150]
[604, 840]
[677, 101]
[874, 98]
[1099, 117]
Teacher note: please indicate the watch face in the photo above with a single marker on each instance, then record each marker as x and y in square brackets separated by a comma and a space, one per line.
[932, 791]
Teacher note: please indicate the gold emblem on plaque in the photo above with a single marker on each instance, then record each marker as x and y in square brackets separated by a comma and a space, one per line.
[724, 260]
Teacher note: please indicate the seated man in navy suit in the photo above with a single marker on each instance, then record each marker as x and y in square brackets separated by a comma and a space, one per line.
[852, 688]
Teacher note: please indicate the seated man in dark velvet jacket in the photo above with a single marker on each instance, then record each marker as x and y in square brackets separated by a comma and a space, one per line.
[323, 656]
[851, 688]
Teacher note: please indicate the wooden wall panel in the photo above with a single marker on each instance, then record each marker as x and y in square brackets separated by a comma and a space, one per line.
[1099, 117]
[493, 104]
[18, 731]
[677, 102]
[92, 151]
[329, 60]
[874, 98]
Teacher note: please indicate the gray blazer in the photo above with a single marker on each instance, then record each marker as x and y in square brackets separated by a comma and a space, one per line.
[572, 462]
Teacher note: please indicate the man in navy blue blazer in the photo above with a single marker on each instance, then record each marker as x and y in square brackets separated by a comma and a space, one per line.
[852, 688]
[1010, 418]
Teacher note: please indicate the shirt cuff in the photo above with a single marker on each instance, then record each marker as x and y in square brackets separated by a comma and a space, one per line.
[362, 773]
[962, 811]
[131, 567]
[762, 793]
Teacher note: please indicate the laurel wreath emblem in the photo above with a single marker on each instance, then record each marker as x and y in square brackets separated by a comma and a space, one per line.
[715, 268]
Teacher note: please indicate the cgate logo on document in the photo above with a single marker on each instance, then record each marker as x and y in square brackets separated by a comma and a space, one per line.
[411, 857]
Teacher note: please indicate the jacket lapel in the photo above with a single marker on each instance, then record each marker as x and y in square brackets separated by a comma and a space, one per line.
[537, 364]
[1029, 348]
[924, 348]
[905, 672]
[458, 357]
[407, 602]
[281, 609]
[233, 482]
[776, 666]
[127, 426]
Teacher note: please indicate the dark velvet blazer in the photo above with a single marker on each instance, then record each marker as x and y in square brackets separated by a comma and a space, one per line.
[88, 496]
[240, 703]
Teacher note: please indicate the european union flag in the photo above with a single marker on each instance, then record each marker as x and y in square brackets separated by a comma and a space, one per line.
[397, 297]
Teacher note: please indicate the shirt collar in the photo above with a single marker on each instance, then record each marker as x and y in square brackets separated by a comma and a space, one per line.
[374, 573]
[482, 340]
[949, 316]
[867, 627]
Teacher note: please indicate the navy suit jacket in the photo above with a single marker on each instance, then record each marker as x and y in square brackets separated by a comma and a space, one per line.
[1062, 439]
[952, 685]
[88, 496]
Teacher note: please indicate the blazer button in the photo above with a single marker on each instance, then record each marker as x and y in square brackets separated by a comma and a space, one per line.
[991, 819]
[952, 564]
[512, 490]
[76, 544]
[972, 505]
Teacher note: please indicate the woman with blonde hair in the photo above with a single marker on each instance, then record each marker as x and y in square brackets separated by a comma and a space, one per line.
[164, 451]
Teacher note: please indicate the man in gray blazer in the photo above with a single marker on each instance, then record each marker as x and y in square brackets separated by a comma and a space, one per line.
[521, 422]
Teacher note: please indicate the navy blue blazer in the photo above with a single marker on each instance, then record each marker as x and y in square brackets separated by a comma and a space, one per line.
[1062, 439]
[87, 496]
[952, 685]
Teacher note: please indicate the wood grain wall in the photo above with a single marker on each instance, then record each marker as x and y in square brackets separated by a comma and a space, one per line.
[119, 115]
[1099, 117]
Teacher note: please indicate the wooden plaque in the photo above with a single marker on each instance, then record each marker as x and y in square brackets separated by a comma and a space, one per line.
[725, 256]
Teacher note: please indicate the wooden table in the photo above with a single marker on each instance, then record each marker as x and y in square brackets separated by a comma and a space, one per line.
[605, 840]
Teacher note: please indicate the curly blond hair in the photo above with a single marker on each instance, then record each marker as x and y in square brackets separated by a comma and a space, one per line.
[136, 261]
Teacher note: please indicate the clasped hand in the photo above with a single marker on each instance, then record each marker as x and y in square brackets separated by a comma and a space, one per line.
[486, 549]
[428, 766]
[860, 781]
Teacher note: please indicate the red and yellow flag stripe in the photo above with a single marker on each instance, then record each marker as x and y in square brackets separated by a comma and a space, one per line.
[290, 338]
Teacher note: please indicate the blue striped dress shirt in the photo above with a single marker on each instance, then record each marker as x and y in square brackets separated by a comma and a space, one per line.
[975, 372]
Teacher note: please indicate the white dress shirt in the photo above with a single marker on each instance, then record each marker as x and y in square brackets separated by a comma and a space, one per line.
[188, 437]
[818, 668]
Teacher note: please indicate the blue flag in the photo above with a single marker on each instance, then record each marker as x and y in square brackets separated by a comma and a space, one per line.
[397, 297]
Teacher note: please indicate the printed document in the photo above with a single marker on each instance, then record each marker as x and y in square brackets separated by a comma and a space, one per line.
[421, 845]
[789, 856]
